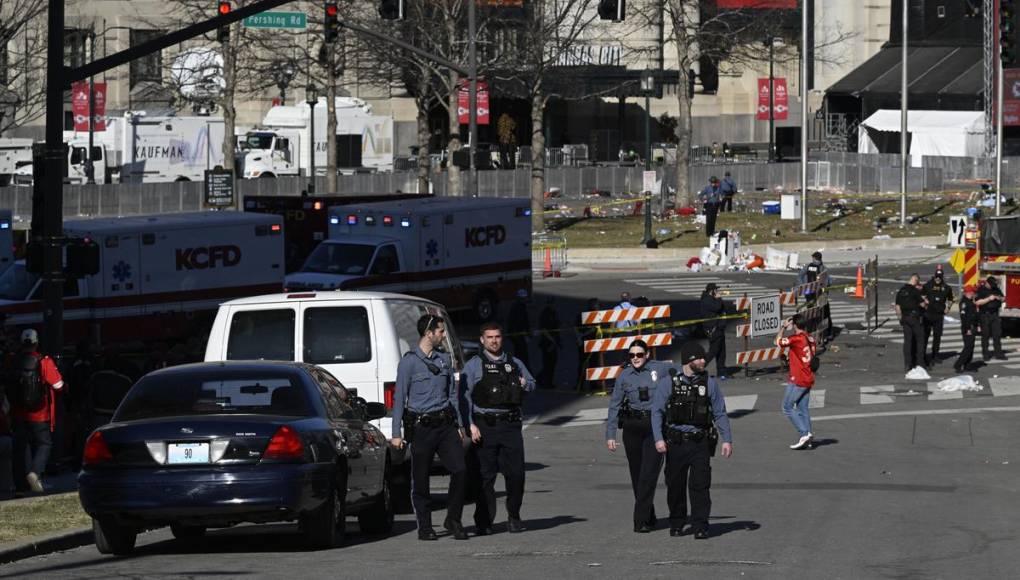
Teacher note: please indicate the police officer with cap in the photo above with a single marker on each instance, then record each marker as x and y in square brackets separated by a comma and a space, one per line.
[425, 415]
[970, 327]
[496, 383]
[910, 303]
[630, 407]
[712, 197]
[989, 300]
[940, 299]
[688, 419]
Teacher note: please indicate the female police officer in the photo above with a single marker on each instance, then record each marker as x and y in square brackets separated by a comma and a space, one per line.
[630, 407]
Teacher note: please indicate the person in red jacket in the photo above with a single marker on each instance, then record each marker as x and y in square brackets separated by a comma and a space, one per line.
[802, 348]
[33, 422]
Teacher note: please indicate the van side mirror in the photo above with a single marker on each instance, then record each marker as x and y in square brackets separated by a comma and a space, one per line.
[375, 411]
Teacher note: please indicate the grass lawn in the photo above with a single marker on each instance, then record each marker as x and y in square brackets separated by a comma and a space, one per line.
[855, 219]
[24, 519]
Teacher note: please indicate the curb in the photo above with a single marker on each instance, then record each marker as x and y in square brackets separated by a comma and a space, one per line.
[46, 544]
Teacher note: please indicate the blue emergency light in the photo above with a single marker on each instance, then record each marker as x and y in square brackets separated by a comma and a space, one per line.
[333, 220]
[5, 225]
[352, 220]
[405, 222]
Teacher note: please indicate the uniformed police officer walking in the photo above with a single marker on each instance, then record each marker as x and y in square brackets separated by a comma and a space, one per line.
[688, 419]
[712, 197]
[630, 407]
[425, 407]
[970, 327]
[910, 303]
[989, 300]
[496, 383]
[940, 298]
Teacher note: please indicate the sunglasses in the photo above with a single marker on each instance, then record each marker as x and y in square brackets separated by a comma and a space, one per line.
[637, 355]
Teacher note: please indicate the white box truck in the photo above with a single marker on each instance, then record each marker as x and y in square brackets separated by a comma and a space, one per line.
[464, 253]
[14, 154]
[157, 274]
[280, 146]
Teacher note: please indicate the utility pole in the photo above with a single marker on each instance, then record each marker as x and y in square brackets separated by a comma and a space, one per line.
[903, 116]
[472, 95]
[91, 168]
[772, 100]
[804, 23]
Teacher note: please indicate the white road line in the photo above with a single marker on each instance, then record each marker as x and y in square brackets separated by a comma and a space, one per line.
[1005, 386]
[740, 403]
[873, 395]
[909, 413]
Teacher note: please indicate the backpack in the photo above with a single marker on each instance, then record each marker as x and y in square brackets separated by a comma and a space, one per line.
[815, 363]
[26, 388]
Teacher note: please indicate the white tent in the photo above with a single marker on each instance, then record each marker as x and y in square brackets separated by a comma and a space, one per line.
[936, 133]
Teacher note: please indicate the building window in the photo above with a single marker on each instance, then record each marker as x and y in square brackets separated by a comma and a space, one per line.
[75, 43]
[150, 66]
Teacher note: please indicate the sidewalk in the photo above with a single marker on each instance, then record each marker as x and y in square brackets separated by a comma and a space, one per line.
[836, 252]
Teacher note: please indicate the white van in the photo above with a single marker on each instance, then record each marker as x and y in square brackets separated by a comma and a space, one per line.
[359, 337]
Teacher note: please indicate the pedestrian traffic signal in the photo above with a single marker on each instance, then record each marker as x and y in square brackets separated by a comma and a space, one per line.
[332, 22]
[1008, 33]
[614, 10]
[391, 9]
[223, 33]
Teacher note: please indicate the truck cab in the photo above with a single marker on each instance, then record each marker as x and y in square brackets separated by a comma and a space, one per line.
[265, 154]
[78, 162]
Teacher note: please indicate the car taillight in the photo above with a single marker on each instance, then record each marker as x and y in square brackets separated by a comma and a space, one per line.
[96, 450]
[389, 389]
[285, 444]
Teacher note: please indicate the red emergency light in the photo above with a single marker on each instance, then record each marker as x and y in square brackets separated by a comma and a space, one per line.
[352, 220]
[224, 8]
[387, 220]
[317, 205]
[275, 228]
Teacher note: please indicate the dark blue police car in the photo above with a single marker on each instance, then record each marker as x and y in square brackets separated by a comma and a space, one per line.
[217, 444]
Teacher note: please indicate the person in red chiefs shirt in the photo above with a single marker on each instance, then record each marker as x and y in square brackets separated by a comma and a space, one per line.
[801, 351]
[32, 424]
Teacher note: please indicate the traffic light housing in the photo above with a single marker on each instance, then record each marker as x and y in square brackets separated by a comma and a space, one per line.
[331, 21]
[614, 10]
[391, 9]
[1008, 33]
[223, 32]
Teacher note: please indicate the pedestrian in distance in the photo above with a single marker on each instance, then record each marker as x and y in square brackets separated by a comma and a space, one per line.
[625, 304]
[519, 326]
[797, 399]
[729, 189]
[33, 383]
[711, 197]
[714, 308]
[630, 408]
[940, 298]
[970, 327]
[989, 301]
[688, 420]
[910, 303]
[496, 384]
[425, 414]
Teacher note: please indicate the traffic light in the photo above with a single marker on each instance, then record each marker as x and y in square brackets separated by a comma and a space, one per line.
[614, 10]
[223, 33]
[332, 23]
[391, 9]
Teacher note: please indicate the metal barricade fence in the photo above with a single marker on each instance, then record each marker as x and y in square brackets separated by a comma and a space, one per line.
[549, 255]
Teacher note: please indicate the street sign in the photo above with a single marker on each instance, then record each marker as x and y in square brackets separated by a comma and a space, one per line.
[958, 261]
[957, 230]
[219, 187]
[648, 182]
[292, 20]
[766, 316]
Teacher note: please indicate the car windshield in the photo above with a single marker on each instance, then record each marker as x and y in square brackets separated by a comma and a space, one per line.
[16, 282]
[256, 141]
[349, 259]
[178, 394]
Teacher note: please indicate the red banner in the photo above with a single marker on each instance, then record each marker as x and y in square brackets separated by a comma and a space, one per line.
[464, 101]
[761, 4]
[80, 106]
[1011, 98]
[781, 104]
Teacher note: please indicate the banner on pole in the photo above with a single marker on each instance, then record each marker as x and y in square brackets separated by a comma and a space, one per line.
[464, 102]
[781, 104]
[80, 106]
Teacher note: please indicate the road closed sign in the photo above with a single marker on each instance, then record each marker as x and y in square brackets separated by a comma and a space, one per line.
[765, 316]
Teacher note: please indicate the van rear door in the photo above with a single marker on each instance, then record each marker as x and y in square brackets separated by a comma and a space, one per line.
[261, 332]
[340, 337]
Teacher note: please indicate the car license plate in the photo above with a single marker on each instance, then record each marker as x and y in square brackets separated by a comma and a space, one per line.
[183, 453]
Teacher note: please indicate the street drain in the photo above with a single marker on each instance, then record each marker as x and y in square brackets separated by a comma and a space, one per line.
[710, 563]
[521, 554]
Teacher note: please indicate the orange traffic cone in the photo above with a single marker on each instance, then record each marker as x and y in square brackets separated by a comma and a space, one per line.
[859, 290]
[547, 268]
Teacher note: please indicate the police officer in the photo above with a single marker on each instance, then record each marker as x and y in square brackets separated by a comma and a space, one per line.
[688, 419]
[713, 307]
[910, 303]
[728, 188]
[630, 407]
[989, 300]
[970, 326]
[496, 383]
[940, 298]
[424, 406]
[815, 271]
[711, 196]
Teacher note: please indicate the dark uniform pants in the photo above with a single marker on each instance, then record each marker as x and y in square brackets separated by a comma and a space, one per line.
[501, 451]
[967, 353]
[991, 328]
[711, 212]
[445, 441]
[645, 464]
[717, 350]
[933, 330]
[727, 204]
[913, 342]
[689, 469]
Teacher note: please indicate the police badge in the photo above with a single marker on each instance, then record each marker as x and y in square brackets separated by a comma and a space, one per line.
[701, 390]
[508, 368]
[655, 376]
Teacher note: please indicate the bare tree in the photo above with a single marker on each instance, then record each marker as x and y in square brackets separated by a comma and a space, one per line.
[22, 57]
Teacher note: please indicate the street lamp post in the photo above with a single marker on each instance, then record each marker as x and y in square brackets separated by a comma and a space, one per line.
[772, 98]
[283, 73]
[312, 98]
[648, 87]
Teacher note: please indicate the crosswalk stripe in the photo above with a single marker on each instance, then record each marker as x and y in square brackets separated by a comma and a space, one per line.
[817, 400]
[874, 395]
[740, 403]
[1005, 386]
[935, 394]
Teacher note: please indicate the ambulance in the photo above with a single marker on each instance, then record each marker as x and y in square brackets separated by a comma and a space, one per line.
[160, 277]
[467, 254]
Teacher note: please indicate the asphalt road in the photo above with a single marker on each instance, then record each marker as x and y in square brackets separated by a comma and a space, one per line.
[907, 482]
